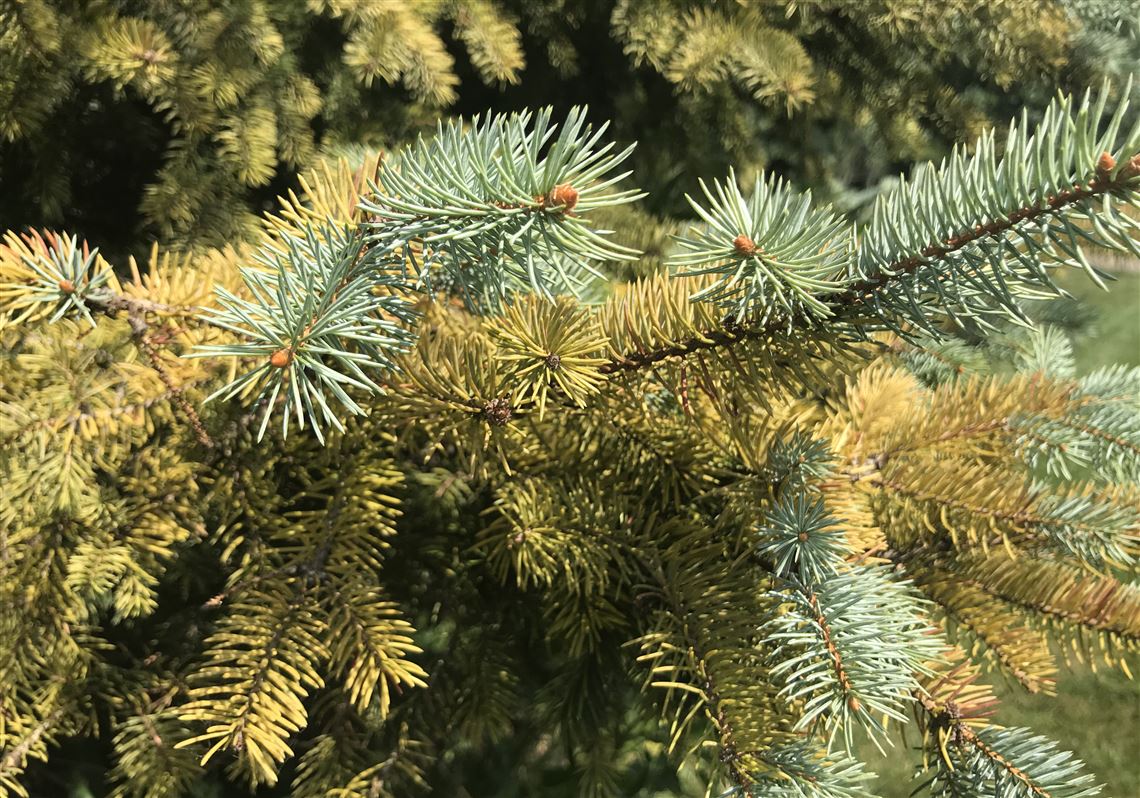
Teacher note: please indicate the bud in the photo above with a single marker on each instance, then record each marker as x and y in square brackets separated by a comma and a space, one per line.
[1104, 165]
[66, 286]
[498, 412]
[553, 362]
[744, 246]
[281, 358]
[564, 195]
[853, 704]
[1131, 169]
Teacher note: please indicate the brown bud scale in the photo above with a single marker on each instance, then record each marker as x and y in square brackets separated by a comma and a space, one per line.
[564, 195]
[498, 412]
[1105, 164]
[281, 358]
[744, 246]
[1131, 169]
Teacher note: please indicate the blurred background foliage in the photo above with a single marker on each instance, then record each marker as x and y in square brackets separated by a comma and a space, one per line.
[129, 121]
[126, 120]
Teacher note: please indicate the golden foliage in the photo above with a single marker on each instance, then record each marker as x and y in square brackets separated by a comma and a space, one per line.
[527, 491]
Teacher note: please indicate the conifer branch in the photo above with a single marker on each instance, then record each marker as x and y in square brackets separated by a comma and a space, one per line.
[1095, 618]
[893, 288]
[499, 208]
[836, 658]
[113, 303]
[15, 757]
[862, 680]
[966, 735]
[781, 516]
[1016, 516]
[1019, 651]
[324, 316]
[1056, 590]
[849, 303]
[77, 418]
[1054, 204]
[729, 755]
[710, 339]
[1104, 435]
[979, 759]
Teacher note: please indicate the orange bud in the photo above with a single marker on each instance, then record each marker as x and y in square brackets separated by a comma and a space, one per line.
[1131, 169]
[281, 358]
[563, 194]
[744, 246]
[1104, 166]
[853, 704]
[66, 286]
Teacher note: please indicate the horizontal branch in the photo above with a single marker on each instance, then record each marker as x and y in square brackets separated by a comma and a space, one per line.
[713, 339]
[110, 303]
[1024, 518]
[1092, 619]
[858, 293]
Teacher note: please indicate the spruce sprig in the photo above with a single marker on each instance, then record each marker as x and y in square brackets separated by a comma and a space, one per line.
[324, 313]
[849, 650]
[500, 206]
[773, 255]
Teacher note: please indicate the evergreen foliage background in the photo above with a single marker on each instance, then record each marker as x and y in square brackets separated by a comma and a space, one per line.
[418, 481]
[183, 120]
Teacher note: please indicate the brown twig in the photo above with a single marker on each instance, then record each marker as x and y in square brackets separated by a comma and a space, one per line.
[15, 756]
[150, 352]
[836, 660]
[111, 304]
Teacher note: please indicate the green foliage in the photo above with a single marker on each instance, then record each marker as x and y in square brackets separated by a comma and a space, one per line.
[63, 275]
[799, 530]
[771, 251]
[315, 323]
[221, 97]
[836, 93]
[507, 193]
[555, 348]
[994, 255]
[828, 649]
[250, 691]
[784, 523]
[181, 119]
[977, 773]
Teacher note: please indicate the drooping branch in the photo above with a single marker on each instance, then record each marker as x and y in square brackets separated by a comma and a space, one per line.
[967, 737]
